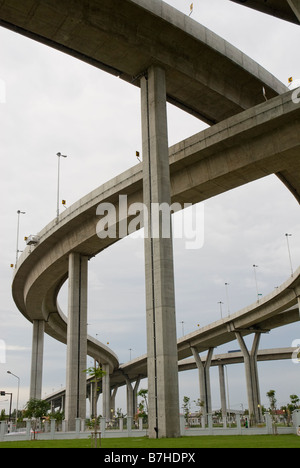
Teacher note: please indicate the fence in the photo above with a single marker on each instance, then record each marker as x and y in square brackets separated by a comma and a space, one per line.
[50, 433]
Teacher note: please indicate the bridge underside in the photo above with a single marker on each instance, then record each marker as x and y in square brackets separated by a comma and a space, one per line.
[280, 8]
[205, 75]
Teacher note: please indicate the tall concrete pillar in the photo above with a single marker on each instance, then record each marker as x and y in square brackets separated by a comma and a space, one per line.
[76, 339]
[223, 392]
[204, 379]
[106, 413]
[129, 399]
[93, 399]
[37, 359]
[252, 381]
[295, 6]
[159, 270]
[135, 394]
[113, 400]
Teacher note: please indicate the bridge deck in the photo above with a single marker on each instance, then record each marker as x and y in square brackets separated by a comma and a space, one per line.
[206, 76]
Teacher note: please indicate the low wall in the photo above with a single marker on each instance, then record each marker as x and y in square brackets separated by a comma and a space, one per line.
[82, 433]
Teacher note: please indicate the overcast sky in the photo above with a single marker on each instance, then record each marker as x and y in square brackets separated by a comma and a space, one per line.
[56, 103]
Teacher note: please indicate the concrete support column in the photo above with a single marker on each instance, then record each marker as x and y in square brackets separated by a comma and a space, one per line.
[113, 400]
[76, 339]
[295, 6]
[129, 395]
[91, 399]
[223, 392]
[132, 396]
[37, 359]
[106, 393]
[3, 429]
[159, 269]
[204, 379]
[63, 403]
[135, 395]
[253, 391]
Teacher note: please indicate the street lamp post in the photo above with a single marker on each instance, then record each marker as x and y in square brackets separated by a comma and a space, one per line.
[255, 276]
[17, 395]
[289, 250]
[19, 212]
[59, 155]
[228, 398]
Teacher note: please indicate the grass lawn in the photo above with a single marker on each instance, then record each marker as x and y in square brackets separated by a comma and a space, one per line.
[282, 441]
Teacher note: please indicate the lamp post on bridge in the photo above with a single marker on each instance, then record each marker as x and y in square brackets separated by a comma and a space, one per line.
[289, 250]
[19, 212]
[59, 155]
[221, 310]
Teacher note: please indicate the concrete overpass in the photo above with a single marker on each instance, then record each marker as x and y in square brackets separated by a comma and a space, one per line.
[254, 144]
[57, 399]
[266, 139]
[117, 37]
[288, 10]
[175, 64]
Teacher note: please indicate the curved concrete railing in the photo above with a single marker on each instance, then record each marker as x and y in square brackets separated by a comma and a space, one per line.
[258, 142]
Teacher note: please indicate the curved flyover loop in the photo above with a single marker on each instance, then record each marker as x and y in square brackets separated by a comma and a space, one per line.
[261, 141]
[118, 37]
[275, 310]
[288, 10]
[205, 75]
[117, 378]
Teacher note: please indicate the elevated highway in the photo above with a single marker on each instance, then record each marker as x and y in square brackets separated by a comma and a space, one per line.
[288, 10]
[202, 74]
[205, 75]
[118, 380]
[256, 143]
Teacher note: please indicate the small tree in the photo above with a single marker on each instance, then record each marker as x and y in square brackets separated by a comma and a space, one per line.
[2, 415]
[143, 393]
[143, 406]
[97, 374]
[199, 403]
[59, 416]
[271, 395]
[295, 400]
[186, 408]
[36, 409]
